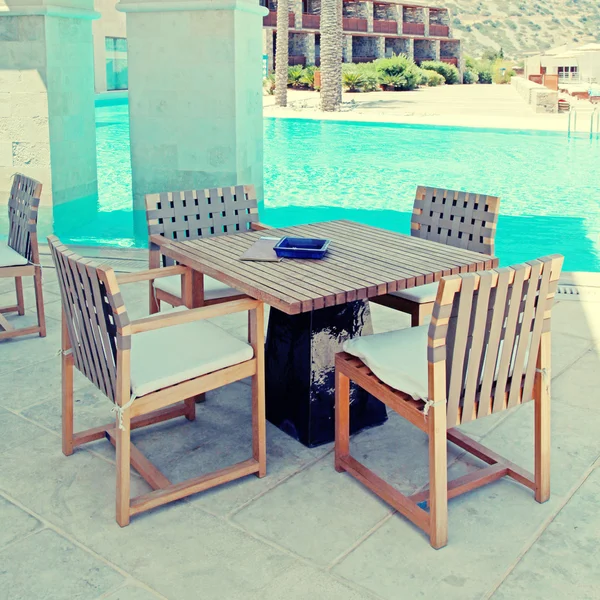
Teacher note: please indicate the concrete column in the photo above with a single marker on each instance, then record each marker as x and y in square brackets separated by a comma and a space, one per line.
[398, 11]
[195, 95]
[296, 8]
[411, 48]
[368, 12]
[269, 46]
[47, 129]
[347, 49]
[437, 46]
[309, 48]
[426, 19]
[380, 46]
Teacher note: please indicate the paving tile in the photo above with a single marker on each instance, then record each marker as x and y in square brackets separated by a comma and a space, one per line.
[318, 513]
[16, 432]
[220, 436]
[176, 550]
[579, 384]
[487, 529]
[563, 562]
[23, 352]
[47, 565]
[131, 592]
[303, 582]
[91, 408]
[577, 318]
[32, 384]
[16, 523]
[575, 441]
[566, 350]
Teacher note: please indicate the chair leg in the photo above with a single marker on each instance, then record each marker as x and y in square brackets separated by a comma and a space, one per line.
[542, 421]
[39, 301]
[438, 477]
[154, 306]
[342, 419]
[123, 447]
[190, 404]
[67, 393]
[20, 300]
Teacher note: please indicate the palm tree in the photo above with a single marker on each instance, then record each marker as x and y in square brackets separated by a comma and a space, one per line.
[331, 54]
[281, 53]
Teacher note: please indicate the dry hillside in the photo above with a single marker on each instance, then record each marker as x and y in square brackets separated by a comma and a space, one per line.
[525, 26]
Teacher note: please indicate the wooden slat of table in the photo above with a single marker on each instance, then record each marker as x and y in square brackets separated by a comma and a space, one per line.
[362, 262]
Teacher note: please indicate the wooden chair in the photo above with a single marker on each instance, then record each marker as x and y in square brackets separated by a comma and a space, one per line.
[192, 215]
[20, 257]
[487, 349]
[151, 369]
[454, 218]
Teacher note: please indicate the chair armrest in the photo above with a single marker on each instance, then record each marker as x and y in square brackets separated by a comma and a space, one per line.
[151, 274]
[196, 314]
[259, 226]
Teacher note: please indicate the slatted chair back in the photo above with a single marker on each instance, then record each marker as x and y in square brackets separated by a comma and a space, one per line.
[94, 313]
[487, 328]
[456, 218]
[23, 206]
[196, 214]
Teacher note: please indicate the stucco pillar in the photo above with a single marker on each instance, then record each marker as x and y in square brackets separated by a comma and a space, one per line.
[380, 47]
[411, 48]
[368, 12]
[296, 7]
[347, 49]
[426, 20]
[195, 95]
[47, 124]
[398, 12]
[309, 48]
[437, 45]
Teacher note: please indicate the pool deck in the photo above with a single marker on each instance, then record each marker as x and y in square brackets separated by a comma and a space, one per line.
[304, 531]
[480, 106]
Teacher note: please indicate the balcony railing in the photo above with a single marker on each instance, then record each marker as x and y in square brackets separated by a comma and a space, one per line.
[439, 30]
[450, 61]
[385, 26]
[352, 24]
[271, 19]
[311, 21]
[413, 28]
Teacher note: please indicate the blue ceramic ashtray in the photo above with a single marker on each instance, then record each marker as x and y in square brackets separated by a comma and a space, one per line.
[292, 247]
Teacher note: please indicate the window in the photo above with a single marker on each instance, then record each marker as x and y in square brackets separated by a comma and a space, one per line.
[116, 63]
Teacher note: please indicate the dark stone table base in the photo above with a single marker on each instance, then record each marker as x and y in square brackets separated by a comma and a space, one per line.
[300, 372]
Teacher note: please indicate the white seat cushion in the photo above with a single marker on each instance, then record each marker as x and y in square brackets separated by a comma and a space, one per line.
[10, 258]
[213, 289]
[422, 294]
[398, 358]
[168, 356]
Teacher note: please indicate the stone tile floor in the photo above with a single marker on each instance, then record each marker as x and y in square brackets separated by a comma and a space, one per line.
[304, 531]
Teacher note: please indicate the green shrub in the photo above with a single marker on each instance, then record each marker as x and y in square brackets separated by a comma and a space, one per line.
[449, 72]
[269, 84]
[367, 73]
[308, 77]
[470, 76]
[485, 75]
[431, 78]
[405, 73]
[353, 82]
[295, 75]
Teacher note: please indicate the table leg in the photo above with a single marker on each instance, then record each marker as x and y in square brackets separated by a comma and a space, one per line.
[300, 372]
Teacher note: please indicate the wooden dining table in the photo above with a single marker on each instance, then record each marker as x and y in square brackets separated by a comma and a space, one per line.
[316, 305]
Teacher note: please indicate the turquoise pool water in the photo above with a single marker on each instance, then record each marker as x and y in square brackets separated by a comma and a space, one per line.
[322, 170]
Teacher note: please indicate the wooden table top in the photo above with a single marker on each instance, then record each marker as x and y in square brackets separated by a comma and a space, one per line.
[362, 262]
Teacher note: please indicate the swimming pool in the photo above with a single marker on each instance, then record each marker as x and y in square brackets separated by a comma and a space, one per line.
[322, 170]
